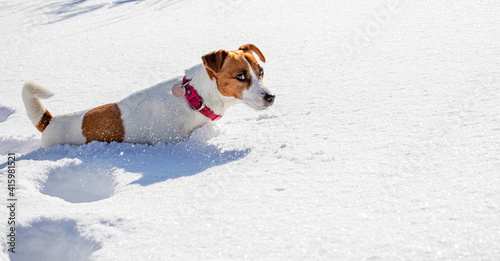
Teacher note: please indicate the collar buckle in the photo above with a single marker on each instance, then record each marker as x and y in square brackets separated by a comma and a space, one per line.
[201, 106]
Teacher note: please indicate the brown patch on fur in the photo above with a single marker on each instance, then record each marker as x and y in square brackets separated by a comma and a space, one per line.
[253, 48]
[213, 61]
[225, 66]
[104, 123]
[42, 124]
[226, 83]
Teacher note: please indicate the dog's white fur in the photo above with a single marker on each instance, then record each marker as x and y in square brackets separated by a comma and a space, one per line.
[174, 119]
[149, 116]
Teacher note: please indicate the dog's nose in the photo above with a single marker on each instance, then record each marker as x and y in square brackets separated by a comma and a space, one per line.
[269, 98]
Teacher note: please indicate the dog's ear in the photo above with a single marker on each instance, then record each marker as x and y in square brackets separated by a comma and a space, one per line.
[253, 48]
[213, 61]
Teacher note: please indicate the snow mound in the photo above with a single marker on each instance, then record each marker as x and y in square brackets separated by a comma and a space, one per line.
[83, 165]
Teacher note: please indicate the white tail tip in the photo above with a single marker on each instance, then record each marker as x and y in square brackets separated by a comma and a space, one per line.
[37, 91]
[32, 93]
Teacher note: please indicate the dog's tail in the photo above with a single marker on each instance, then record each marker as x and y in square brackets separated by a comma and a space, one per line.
[39, 116]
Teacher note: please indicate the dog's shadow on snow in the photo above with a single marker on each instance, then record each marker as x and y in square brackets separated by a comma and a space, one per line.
[155, 163]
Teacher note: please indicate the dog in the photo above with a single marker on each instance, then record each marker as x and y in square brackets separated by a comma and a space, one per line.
[167, 112]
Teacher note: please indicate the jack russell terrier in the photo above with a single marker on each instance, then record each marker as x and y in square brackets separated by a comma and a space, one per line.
[167, 112]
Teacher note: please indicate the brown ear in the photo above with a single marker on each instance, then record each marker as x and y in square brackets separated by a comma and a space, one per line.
[253, 48]
[213, 61]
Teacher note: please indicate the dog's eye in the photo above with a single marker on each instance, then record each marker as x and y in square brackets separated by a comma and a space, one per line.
[241, 77]
[261, 72]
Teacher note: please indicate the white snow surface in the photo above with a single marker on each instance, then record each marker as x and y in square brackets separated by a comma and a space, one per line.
[383, 142]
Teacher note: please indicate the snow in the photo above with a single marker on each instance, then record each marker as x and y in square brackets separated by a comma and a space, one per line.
[383, 142]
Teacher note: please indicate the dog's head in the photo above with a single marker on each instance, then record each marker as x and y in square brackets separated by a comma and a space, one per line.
[239, 75]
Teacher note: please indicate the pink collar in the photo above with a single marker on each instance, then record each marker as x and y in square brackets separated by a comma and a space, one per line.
[196, 102]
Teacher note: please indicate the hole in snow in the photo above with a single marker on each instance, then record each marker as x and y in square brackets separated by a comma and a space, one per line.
[76, 182]
[52, 240]
[5, 112]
